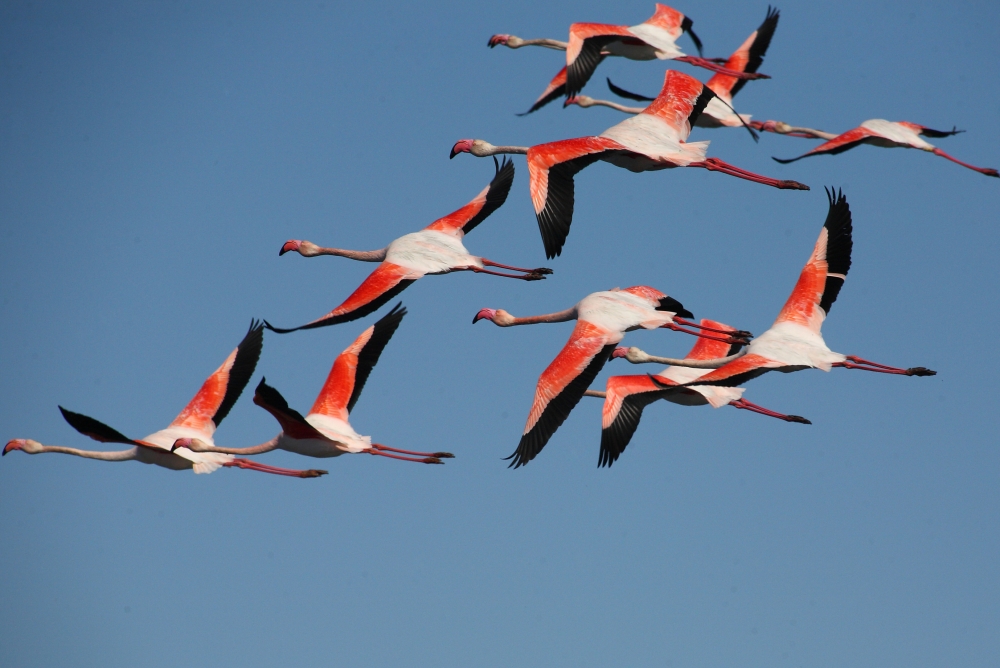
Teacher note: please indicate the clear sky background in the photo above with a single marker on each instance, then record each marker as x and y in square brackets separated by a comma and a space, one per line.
[154, 157]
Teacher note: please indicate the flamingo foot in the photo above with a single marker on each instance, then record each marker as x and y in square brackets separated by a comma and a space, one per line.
[716, 165]
[731, 340]
[747, 405]
[275, 470]
[988, 171]
[708, 64]
[741, 333]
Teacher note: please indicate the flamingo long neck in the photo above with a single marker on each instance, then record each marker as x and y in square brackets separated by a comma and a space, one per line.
[489, 149]
[267, 446]
[637, 356]
[516, 43]
[560, 316]
[786, 129]
[311, 250]
[615, 105]
[104, 456]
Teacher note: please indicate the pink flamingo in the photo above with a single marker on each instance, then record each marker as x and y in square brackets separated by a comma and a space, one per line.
[602, 320]
[437, 249]
[651, 140]
[198, 419]
[326, 431]
[590, 43]
[889, 134]
[626, 396]
[719, 111]
[795, 342]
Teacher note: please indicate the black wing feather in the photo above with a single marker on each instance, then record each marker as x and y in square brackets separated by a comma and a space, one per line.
[578, 73]
[554, 95]
[673, 306]
[558, 410]
[556, 217]
[839, 244]
[833, 151]
[247, 354]
[615, 438]
[98, 431]
[699, 106]
[368, 357]
[359, 312]
[496, 195]
[621, 92]
[759, 47]
[927, 132]
[270, 396]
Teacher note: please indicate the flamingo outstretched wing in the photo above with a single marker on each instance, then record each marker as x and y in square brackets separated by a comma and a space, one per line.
[555, 90]
[96, 430]
[551, 168]
[627, 396]
[839, 144]
[387, 281]
[291, 421]
[561, 386]
[584, 53]
[479, 209]
[220, 391]
[825, 272]
[352, 367]
[748, 58]
[679, 103]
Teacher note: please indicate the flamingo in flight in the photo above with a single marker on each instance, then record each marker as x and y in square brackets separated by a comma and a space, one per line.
[590, 43]
[654, 139]
[602, 320]
[794, 342]
[719, 111]
[199, 419]
[626, 396]
[436, 249]
[889, 134]
[325, 430]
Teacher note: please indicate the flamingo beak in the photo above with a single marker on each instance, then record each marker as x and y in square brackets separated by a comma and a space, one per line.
[461, 146]
[620, 351]
[485, 314]
[290, 245]
[10, 447]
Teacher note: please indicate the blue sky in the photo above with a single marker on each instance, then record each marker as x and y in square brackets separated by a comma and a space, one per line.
[154, 157]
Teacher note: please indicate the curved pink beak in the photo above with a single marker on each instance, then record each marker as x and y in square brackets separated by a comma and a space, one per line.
[461, 146]
[290, 245]
[10, 447]
[485, 314]
[620, 351]
[496, 40]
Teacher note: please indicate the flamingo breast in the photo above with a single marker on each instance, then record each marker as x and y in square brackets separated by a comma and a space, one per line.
[339, 432]
[619, 311]
[430, 252]
[182, 458]
[793, 344]
[651, 136]
[893, 135]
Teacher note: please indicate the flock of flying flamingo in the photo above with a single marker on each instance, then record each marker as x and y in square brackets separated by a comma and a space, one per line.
[654, 137]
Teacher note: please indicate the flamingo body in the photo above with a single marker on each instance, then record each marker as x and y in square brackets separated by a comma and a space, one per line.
[602, 320]
[437, 249]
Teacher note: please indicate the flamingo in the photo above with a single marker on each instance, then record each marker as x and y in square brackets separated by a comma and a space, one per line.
[437, 249]
[602, 320]
[325, 431]
[889, 134]
[651, 140]
[794, 342]
[719, 111]
[590, 43]
[626, 396]
[199, 419]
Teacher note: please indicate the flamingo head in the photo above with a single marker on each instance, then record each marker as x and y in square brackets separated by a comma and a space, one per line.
[463, 146]
[620, 351]
[498, 40]
[484, 314]
[290, 245]
[26, 444]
